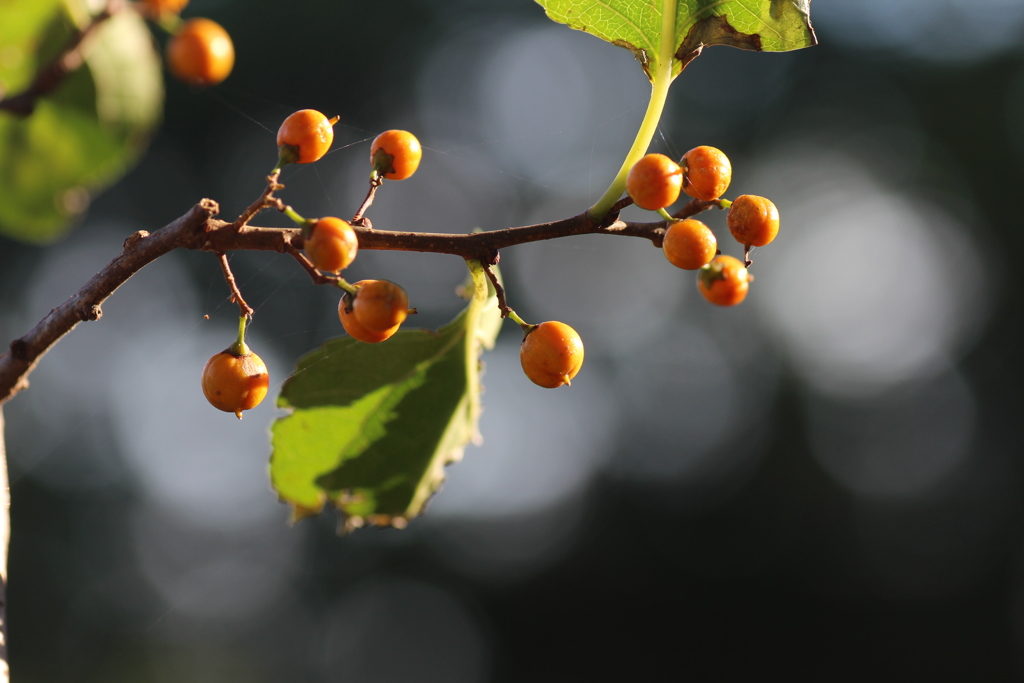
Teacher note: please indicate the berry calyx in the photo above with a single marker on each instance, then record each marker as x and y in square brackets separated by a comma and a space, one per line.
[200, 53]
[234, 383]
[305, 137]
[707, 173]
[551, 354]
[753, 220]
[724, 281]
[379, 305]
[689, 244]
[654, 182]
[331, 245]
[355, 329]
[395, 154]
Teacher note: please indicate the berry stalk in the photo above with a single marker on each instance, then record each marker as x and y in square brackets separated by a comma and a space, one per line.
[239, 348]
[236, 295]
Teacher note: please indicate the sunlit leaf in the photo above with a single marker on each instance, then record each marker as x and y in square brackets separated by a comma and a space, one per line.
[770, 25]
[372, 426]
[87, 133]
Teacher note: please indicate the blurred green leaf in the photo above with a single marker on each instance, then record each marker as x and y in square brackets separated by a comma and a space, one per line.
[89, 131]
[769, 25]
[372, 426]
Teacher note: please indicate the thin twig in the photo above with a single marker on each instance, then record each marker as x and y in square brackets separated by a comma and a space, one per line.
[357, 218]
[236, 294]
[499, 290]
[51, 75]
[307, 265]
[691, 208]
[266, 200]
[696, 206]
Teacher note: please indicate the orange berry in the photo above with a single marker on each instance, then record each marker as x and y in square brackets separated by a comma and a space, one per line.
[404, 150]
[654, 182]
[708, 173]
[689, 244]
[551, 354]
[235, 383]
[753, 220]
[724, 281]
[332, 244]
[304, 137]
[158, 8]
[200, 53]
[355, 328]
[380, 305]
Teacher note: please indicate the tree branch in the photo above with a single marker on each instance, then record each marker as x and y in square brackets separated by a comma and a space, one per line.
[139, 249]
[51, 75]
[199, 229]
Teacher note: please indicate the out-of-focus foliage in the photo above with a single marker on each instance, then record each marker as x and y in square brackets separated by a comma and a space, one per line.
[89, 131]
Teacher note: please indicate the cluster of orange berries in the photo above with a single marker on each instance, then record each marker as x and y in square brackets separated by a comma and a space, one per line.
[236, 379]
[551, 354]
[656, 181]
[200, 51]
[371, 311]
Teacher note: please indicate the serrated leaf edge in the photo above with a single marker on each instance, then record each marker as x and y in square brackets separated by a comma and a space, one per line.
[453, 442]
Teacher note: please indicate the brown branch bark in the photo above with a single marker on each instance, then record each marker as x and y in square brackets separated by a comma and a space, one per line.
[139, 249]
[53, 74]
[200, 229]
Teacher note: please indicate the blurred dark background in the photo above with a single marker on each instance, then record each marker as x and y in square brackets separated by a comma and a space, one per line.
[824, 482]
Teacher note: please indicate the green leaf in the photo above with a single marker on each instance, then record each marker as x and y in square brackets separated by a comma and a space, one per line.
[770, 25]
[372, 426]
[88, 132]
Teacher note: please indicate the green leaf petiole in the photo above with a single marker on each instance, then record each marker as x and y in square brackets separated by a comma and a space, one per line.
[661, 81]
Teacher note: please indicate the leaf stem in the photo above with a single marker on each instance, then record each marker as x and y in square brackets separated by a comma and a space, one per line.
[661, 82]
